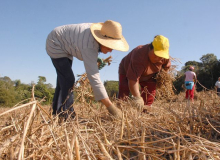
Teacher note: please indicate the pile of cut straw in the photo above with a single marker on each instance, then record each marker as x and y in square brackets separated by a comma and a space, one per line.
[172, 131]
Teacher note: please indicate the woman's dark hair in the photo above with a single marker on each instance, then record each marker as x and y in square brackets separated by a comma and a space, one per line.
[151, 46]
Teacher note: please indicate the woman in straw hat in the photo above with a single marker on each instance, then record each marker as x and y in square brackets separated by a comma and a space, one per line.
[140, 67]
[83, 41]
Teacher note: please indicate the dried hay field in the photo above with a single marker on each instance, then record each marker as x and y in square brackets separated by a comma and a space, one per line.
[175, 129]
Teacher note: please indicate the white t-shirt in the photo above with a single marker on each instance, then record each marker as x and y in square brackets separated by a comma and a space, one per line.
[190, 75]
[76, 40]
[217, 84]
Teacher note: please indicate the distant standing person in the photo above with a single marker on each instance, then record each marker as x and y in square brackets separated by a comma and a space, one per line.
[83, 41]
[139, 68]
[190, 80]
[217, 86]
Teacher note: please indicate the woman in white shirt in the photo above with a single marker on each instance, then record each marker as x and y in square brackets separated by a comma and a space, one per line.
[83, 41]
[217, 86]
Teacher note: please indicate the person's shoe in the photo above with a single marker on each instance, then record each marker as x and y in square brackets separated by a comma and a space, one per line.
[67, 115]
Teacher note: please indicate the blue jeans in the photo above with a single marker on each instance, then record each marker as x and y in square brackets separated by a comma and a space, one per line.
[65, 82]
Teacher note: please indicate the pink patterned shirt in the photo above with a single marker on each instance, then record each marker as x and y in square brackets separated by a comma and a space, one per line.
[190, 75]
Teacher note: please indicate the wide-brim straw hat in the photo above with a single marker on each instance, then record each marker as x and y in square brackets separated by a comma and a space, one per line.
[109, 34]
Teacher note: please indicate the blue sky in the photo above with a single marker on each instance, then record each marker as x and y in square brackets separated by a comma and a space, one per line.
[192, 27]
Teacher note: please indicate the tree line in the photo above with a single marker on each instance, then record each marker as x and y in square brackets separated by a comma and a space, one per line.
[13, 92]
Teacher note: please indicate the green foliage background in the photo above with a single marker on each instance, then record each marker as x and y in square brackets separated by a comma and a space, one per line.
[207, 71]
[111, 88]
[13, 92]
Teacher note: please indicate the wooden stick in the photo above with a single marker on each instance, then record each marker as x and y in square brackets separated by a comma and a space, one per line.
[21, 153]
[19, 107]
[69, 151]
[142, 140]
[103, 149]
[122, 127]
[77, 149]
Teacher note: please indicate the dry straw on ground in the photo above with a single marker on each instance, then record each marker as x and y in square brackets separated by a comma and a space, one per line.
[175, 130]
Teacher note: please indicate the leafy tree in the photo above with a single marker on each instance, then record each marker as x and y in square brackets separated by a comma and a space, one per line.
[208, 58]
[17, 83]
[8, 84]
[216, 71]
[196, 65]
[208, 63]
[207, 72]
[7, 93]
[41, 80]
[7, 97]
[178, 83]
[43, 90]
[23, 90]
[111, 88]
[12, 92]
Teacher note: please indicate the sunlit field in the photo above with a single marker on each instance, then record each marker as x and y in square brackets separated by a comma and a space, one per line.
[175, 129]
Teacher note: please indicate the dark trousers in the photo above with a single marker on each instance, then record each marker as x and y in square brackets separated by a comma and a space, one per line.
[65, 82]
[218, 91]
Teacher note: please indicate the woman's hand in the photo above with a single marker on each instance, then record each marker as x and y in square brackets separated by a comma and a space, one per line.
[112, 109]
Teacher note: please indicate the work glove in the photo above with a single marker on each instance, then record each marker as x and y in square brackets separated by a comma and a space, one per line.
[115, 111]
[101, 63]
[138, 103]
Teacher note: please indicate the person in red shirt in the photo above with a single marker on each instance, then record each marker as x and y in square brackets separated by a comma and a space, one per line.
[139, 68]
